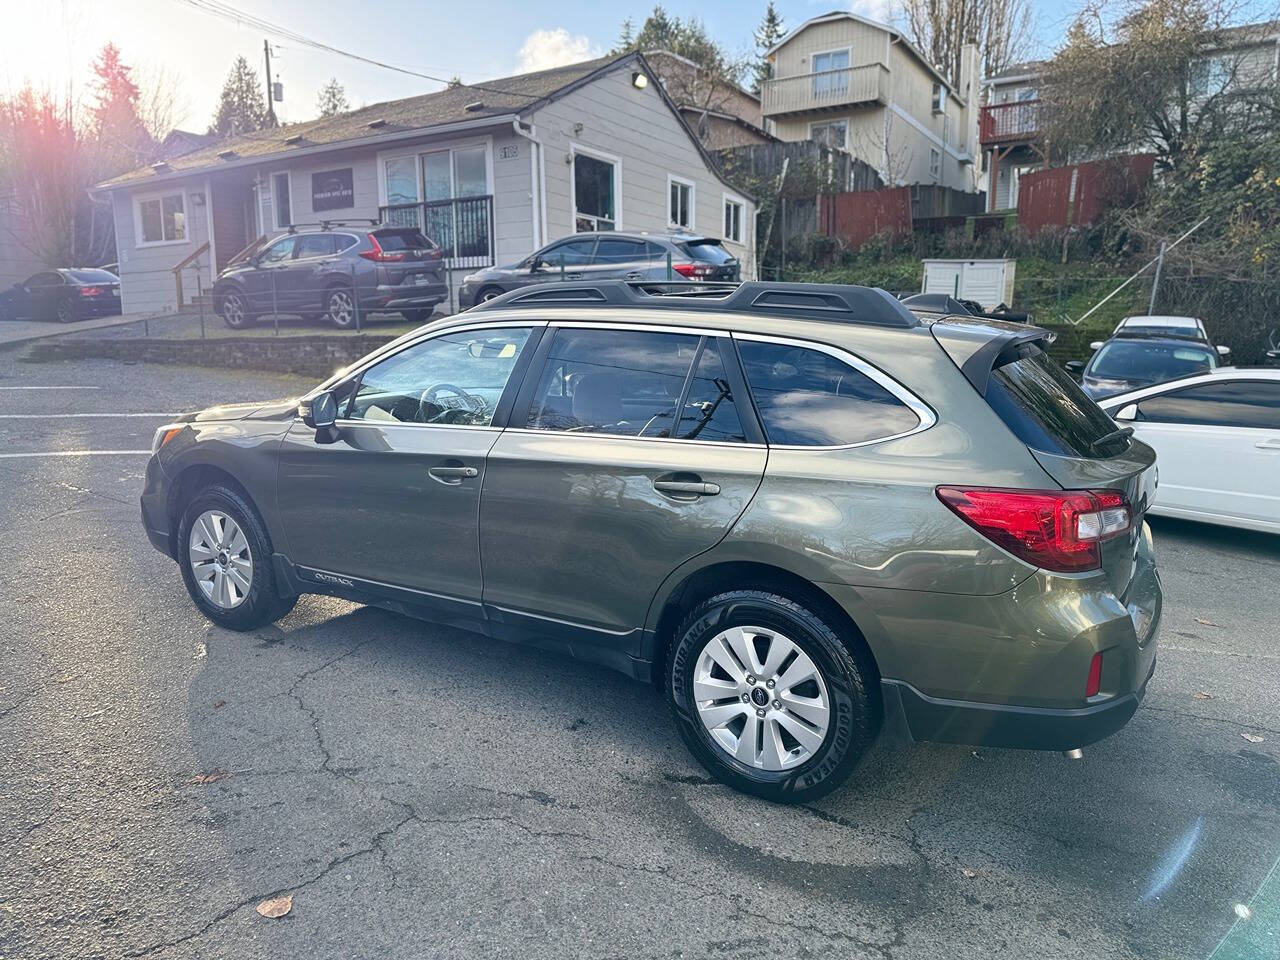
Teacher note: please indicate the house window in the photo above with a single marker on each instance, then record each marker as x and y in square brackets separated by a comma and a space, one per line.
[939, 98]
[1210, 76]
[280, 195]
[446, 195]
[733, 215]
[830, 74]
[162, 219]
[595, 195]
[935, 165]
[679, 203]
[834, 133]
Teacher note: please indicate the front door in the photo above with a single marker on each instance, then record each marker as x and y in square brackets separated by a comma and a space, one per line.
[265, 285]
[393, 505]
[629, 452]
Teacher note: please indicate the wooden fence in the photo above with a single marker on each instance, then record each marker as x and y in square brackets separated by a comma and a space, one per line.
[1077, 195]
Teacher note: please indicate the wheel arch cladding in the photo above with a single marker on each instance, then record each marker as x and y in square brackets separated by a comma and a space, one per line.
[191, 480]
[725, 576]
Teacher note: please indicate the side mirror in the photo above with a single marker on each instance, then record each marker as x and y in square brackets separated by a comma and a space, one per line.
[320, 413]
[1128, 412]
[1075, 366]
[1223, 351]
[1096, 345]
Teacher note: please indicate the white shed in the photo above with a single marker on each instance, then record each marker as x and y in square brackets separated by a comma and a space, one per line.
[989, 282]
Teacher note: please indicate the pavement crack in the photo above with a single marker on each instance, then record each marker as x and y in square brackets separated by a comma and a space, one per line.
[313, 715]
[1238, 724]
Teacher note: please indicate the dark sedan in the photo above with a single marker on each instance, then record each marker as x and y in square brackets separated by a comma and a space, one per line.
[1126, 363]
[64, 295]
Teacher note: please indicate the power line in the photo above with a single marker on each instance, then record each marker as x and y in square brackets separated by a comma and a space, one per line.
[227, 12]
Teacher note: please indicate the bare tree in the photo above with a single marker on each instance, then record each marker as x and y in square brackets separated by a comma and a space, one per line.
[875, 147]
[1002, 30]
[161, 103]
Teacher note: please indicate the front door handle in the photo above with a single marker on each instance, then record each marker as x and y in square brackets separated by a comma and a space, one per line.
[453, 475]
[1271, 443]
[573, 276]
[635, 275]
[687, 488]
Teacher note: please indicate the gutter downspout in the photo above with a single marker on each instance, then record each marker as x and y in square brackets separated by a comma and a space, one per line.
[537, 181]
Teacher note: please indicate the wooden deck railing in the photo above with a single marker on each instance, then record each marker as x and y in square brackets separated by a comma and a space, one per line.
[183, 264]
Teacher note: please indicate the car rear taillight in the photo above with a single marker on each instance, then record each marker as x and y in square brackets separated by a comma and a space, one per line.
[435, 253]
[378, 255]
[90, 291]
[693, 269]
[1057, 530]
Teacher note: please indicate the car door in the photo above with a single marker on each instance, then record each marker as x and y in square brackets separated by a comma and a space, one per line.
[617, 258]
[594, 494]
[43, 291]
[567, 260]
[392, 507]
[1218, 445]
[264, 283]
[299, 283]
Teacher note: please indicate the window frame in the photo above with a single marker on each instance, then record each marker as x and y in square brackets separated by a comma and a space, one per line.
[691, 226]
[729, 200]
[922, 410]
[827, 123]
[575, 149]
[501, 410]
[159, 197]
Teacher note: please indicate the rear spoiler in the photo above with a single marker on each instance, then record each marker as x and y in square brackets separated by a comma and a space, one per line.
[978, 347]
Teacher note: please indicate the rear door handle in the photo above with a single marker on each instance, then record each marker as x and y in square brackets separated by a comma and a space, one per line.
[1271, 443]
[453, 475]
[687, 488]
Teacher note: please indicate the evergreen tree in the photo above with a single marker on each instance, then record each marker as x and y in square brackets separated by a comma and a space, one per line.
[241, 107]
[332, 99]
[626, 38]
[770, 31]
[123, 141]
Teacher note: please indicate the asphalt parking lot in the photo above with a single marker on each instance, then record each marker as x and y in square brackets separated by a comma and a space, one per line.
[423, 792]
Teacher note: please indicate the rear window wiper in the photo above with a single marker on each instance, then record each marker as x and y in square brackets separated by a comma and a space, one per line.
[1123, 433]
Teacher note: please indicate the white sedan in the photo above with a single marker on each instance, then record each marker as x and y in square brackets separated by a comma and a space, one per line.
[1217, 436]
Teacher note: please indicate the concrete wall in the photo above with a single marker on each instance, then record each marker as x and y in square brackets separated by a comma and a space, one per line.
[613, 119]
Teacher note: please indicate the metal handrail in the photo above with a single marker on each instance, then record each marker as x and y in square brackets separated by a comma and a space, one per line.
[462, 226]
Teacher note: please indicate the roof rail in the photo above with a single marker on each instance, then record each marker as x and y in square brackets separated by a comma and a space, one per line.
[839, 303]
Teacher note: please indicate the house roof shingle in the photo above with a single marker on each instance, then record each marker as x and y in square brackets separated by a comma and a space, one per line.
[499, 97]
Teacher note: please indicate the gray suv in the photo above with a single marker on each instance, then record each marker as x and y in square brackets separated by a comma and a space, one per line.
[606, 256]
[802, 512]
[336, 272]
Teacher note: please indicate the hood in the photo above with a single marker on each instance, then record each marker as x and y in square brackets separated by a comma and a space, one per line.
[1100, 387]
[272, 410]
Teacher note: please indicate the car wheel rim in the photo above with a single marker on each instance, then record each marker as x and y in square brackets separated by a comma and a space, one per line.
[221, 561]
[233, 311]
[64, 311]
[340, 308]
[488, 295]
[761, 698]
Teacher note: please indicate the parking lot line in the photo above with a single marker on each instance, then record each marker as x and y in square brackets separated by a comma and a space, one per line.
[74, 453]
[71, 416]
[51, 388]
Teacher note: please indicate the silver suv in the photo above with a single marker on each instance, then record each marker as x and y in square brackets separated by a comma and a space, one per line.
[802, 512]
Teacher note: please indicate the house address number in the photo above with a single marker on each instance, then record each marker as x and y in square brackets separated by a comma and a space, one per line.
[509, 152]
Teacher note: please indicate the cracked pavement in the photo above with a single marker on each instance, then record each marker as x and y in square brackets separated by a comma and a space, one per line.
[427, 793]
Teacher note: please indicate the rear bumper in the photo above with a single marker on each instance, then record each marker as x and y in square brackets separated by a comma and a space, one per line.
[410, 298]
[911, 715]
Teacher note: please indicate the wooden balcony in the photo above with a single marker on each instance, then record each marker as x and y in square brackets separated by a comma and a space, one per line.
[1009, 122]
[811, 92]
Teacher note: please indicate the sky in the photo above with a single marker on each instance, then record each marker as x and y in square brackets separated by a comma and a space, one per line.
[51, 43]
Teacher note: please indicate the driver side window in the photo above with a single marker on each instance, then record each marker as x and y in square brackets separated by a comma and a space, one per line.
[455, 378]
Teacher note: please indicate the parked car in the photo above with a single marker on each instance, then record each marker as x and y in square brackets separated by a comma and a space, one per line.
[1218, 439]
[804, 513]
[606, 256]
[1126, 362]
[64, 295]
[335, 272]
[1162, 326]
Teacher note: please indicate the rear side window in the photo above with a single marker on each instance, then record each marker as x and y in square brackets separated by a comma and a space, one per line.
[314, 245]
[1239, 403]
[93, 276]
[403, 240]
[618, 250]
[808, 398]
[1047, 410]
[708, 251]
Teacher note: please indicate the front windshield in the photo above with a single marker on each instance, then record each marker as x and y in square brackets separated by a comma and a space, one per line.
[1147, 362]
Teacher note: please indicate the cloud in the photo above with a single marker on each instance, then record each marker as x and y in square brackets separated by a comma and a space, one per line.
[544, 49]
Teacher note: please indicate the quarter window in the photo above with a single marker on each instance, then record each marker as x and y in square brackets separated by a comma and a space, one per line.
[162, 219]
[620, 382]
[808, 398]
[1238, 403]
[452, 379]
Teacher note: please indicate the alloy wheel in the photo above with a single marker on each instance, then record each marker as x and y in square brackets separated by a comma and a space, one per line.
[342, 310]
[761, 698]
[66, 312]
[233, 310]
[221, 561]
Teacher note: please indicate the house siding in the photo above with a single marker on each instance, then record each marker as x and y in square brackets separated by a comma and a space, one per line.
[867, 45]
[146, 273]
[636, 126]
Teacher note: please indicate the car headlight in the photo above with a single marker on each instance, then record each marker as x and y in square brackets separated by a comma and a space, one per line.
[164, 435]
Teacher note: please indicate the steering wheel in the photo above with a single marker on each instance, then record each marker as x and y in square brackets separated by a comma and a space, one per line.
[431, 395]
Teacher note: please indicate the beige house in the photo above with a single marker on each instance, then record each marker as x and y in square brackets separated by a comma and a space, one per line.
[862, 86]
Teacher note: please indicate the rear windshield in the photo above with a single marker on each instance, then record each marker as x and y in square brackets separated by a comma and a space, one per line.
[1047, 410]
[1146, 362]
[403, 240]
[93, 276]
[708, 251]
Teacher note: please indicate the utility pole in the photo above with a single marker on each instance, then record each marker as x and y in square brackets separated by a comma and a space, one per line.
[271, 108]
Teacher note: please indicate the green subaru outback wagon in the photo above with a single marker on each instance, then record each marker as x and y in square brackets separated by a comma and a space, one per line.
[805, 514]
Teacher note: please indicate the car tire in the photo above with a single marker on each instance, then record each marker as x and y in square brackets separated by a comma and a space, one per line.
[65, 311]
[763, 756]
[489, 293]
[234, 310]
[340, 307]
[245, 596]
[417, 316]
